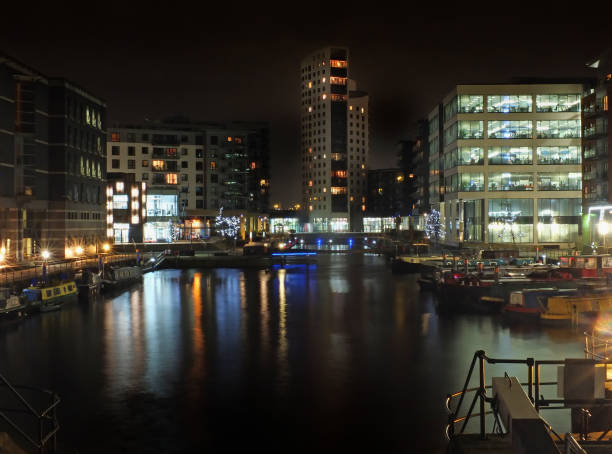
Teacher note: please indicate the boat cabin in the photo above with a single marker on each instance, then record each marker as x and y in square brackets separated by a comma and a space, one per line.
[587, 265]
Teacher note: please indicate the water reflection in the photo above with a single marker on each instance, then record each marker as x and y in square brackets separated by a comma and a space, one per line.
[344, 355]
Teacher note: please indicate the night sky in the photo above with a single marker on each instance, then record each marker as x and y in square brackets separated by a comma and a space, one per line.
[153, 63]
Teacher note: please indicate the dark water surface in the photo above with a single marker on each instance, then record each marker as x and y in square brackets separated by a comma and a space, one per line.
[338, 356]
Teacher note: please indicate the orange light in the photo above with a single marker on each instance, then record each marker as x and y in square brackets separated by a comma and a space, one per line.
[363, 207]
[229, 139]
[310, 183]
[253, 165]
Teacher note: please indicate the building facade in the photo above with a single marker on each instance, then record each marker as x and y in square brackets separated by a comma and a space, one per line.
[385, 200]
[596, 141]
[52, 172]
[511, 164]
[334, 142]
[192, 170]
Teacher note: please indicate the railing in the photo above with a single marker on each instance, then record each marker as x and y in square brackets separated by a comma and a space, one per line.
[46, 419]
[572, 446]
[533, 384]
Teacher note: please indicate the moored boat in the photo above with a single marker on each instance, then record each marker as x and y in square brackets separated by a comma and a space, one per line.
[45, 296]
[11, 306]
[116, 278]
[529, 304]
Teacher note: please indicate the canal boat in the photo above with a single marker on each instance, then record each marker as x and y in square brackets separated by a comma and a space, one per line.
[119, 277]
[587, 266]
[89, 283]
[11, 306]
[529, 304]
[46, 296]
[577, 310]
[412, 264]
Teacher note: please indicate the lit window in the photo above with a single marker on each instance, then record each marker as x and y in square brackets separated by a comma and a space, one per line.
[350, 107]
[309, 108]
[337, 63]
[158, 165]
[605, 103]
[324, 96]
[324, 189]
[310, 183]
[115, 137]
[253, 165]
[229, 139]
[363, 207]
[213, 165]
[362, 110]
[309, 84]
[323, 80]
[119, 186]
[171, 178]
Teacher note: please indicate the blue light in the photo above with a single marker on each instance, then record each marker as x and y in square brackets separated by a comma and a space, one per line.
[285, 254]
[350, 243]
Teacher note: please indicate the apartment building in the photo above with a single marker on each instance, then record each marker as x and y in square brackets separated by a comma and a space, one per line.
[52, 164]
[192, 170]
[334, 142]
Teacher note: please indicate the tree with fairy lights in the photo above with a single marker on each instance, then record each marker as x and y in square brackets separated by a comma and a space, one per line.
[434, 229]
[507, 220]
[227, 226]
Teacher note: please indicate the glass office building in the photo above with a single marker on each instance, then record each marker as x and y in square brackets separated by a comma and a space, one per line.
[511, 162]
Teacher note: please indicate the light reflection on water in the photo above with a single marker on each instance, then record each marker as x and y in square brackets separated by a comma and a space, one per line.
[341, 354]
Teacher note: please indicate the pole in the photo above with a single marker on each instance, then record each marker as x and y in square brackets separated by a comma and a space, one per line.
[482, 391]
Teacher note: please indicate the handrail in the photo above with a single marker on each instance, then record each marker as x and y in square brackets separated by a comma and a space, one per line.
[533, 388]
[572, 446]
[41, 416]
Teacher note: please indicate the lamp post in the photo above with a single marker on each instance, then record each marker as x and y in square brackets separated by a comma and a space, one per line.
[45, 255]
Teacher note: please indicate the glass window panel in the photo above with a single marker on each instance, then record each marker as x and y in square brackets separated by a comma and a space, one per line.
[510, 220]
[509, 103]
[467, 156]
[470, 103]
[470, 129]
[561, 181]
[471, 182]
[506, 181]
[559, 155]
[507, 129]
[509, 155]
[558, 103]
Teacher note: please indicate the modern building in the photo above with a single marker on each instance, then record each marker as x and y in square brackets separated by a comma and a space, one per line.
[334, 142]
[192, 170]
[385, 200]
[596, 141]
[52, 164]
[126, 213]
[511, 163]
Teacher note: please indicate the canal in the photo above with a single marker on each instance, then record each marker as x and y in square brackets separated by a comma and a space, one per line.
[341, 355]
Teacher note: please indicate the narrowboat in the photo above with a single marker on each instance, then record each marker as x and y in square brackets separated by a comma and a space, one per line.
[529, 304]
[116, 278]
[582, 309]
[50, 296]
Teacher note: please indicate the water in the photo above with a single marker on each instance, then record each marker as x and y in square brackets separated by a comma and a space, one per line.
[335, 356]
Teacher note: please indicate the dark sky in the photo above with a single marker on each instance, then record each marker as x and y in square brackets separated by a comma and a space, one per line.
[233, 65]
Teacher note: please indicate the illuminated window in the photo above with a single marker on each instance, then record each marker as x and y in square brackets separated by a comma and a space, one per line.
[119, 186]
[309, 84]
[337, 63]
[338, 97]
[229, 139]
[253, 165]
[337, 80]
[323, 80]
[262, 182]
[309, 108]
[158, 165]
[87, 116]
[115, 137]
[171, 178]
[310, 183]
[605, 103]
[238, 139]
[363, 207]
[340, 173]
[213, 165]
[362, 110]
[171, 152]
[324, 189]
[337, 190]
[324, 96]
[350, 107]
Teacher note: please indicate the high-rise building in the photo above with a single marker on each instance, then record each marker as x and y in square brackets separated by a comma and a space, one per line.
[52, 164]
[334, 142]
[192, 170]
[511, 163]
[596, 141]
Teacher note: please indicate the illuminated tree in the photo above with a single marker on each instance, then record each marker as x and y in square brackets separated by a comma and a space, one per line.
[227, 226]
[509, 227]
[434, 229]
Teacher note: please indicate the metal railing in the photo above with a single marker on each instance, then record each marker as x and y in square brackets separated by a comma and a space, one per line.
[47, 424]
[533, 384]
[572, 446]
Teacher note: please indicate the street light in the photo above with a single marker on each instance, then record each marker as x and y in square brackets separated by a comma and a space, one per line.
[79, 250]
[106, 247]
[45, 254]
